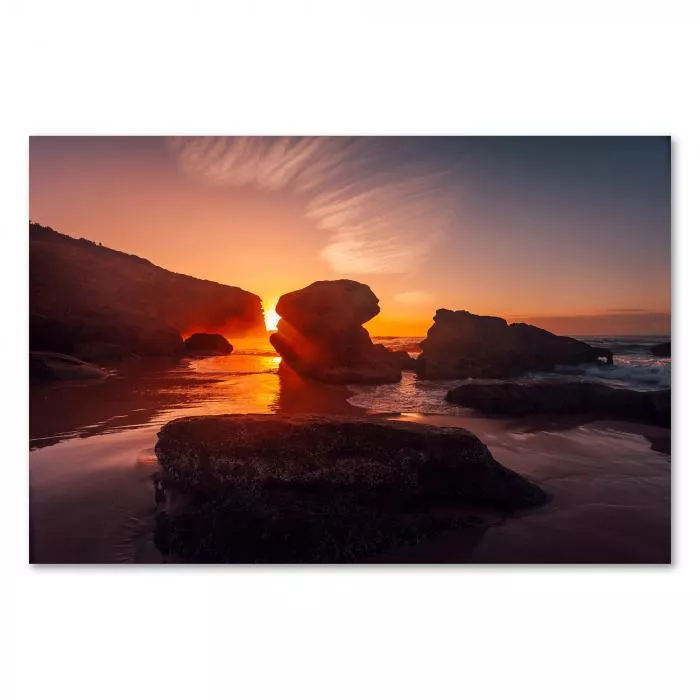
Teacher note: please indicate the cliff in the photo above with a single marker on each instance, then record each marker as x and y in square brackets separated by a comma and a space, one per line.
[85, 295]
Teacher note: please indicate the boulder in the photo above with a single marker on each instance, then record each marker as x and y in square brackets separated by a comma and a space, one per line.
[53, 365]
[461, 345]
[208, 344]
[320, 335]
[326, 307]
[589, 399]
[273, 488]
[661, 350]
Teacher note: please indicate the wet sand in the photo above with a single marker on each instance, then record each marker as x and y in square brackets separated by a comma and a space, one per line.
[91, 446]
[611, 495]
[92, 461]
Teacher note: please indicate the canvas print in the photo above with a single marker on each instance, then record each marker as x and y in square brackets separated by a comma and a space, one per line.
[350, 350]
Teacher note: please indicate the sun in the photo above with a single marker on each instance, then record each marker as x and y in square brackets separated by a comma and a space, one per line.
[271, 317]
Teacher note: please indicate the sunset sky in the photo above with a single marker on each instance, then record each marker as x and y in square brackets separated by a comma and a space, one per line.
[572, 234]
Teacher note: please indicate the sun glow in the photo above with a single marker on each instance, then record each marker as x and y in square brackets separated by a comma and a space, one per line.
[271, 317]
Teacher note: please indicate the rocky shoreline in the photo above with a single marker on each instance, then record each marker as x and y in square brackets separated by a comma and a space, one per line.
[306, 484]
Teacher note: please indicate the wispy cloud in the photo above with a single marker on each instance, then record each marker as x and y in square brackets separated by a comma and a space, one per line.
[381, 215]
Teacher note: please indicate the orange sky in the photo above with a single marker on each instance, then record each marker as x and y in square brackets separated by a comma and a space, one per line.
[539, 232]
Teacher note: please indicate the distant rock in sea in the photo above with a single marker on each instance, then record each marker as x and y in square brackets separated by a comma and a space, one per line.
[589, 399]
[208, 344]
[53, 365]
[461, 345]
[321, 336]
[93, 302]
[312, 489]
[661, 350]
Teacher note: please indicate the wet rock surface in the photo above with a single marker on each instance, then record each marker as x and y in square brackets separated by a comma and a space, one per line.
[311, 489]
[53, 365]
[565, 398]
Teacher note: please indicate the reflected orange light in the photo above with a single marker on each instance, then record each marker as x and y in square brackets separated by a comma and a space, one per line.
[271, 316]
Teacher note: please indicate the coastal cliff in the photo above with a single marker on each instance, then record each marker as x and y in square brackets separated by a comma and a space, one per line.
[94, 302]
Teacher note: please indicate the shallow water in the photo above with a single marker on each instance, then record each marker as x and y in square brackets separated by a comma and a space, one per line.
[91, 461]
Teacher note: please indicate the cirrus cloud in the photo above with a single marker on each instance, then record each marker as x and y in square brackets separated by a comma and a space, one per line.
[382, 213]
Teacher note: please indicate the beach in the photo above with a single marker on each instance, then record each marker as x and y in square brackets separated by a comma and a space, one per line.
[92, 461]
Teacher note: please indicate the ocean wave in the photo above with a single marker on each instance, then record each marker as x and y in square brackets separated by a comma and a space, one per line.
[410, 395]
[628, 371]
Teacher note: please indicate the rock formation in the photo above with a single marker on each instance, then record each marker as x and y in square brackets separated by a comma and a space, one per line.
[104, 334]
[594, 401]
[53, 365]
[272, 488]
[661, 350]
[320, 335]
[461, 345]
[94, 302]
[208, 344]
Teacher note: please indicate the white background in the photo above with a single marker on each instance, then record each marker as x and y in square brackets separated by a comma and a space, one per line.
[376, 67]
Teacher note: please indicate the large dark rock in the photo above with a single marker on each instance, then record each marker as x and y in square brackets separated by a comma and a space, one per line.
[661, 350]
[320, 335]
[94, 302]
[460, 345]
[208, 344]
[104, 335]
[53, 365]
[327, 307]
[272, 488]
[589, 399]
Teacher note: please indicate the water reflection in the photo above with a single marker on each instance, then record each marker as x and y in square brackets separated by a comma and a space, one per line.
[152, 393]
[92, 461]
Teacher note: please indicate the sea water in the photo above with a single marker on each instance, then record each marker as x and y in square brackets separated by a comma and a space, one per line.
[634, 367]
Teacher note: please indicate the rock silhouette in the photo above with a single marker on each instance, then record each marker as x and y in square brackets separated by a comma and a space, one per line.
[94, 302]
[320, 335]
[461, 345]
[208, 344]
[661, 350]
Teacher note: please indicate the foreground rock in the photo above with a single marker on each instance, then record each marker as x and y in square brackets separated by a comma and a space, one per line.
[321, 335]
[595, 401]
[208, 344]
[272, 488]
[93, 302]
[460, 345]
[53, 365]
[661, 350]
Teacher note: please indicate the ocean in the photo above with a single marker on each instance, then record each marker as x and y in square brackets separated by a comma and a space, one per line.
[92, 447]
